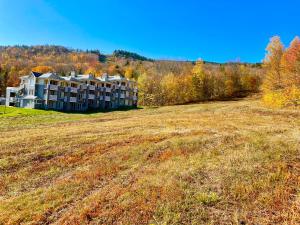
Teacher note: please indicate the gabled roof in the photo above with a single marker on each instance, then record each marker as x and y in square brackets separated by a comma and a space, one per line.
[36, 74]
[50, 76]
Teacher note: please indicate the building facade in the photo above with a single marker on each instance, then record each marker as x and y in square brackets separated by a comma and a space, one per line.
[73, 93]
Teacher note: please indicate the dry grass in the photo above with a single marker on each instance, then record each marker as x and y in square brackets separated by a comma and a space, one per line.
[215, 163]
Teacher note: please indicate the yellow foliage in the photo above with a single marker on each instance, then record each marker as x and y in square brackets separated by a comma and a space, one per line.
[282, 98]
[229, 88]
[274, 99]
[42, 69]
[129, 72]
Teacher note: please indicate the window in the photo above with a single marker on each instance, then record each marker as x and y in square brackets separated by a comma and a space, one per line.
[54, 82]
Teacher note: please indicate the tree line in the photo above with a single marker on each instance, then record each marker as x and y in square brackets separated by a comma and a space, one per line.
[200, 82]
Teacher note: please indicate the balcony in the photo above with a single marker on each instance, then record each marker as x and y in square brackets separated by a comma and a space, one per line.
[108, 89]
[107, 98]
[53, 97]
[92, 87]
[127, 94]
[134, 98]
[53, 87]
[73, 90]
[92, 97]
[83, 86]
[123, 88]
[122, 95]
[135, 89]
[73, 99]
[117, 95]
[101, 98]
[12, 99]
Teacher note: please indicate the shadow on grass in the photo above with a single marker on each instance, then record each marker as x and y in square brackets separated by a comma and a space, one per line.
[94, 111]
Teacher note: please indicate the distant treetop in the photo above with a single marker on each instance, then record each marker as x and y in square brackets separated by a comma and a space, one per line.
[130, 55]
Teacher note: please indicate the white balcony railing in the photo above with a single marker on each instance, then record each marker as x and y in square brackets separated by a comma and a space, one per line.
[122, 96]
[74, 90]
[134, 98]
[107, 98]
[53, 87]
[53, 97]
[12, 99]
[92, 87]
[117, 95]
[83, 86]
[73, 99]
[108, 89]
[123, 88]
[127, 94]
[101, 98]
[92, 97]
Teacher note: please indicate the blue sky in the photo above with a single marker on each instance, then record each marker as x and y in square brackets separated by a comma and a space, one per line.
[215, 30]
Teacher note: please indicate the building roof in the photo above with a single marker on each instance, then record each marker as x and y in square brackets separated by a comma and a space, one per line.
[70, 78]
[50, 75]
[36, 74]
[85, 77]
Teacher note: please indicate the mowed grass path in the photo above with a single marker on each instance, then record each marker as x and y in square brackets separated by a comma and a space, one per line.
[214, 163]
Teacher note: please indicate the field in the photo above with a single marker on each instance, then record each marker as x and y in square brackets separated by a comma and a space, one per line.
[233, 162]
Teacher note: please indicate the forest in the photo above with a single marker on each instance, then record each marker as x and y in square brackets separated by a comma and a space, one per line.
[167, 82]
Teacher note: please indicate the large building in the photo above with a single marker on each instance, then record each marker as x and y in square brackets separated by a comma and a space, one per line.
[72, 93]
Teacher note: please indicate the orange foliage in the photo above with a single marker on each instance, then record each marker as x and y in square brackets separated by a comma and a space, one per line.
[42, 69]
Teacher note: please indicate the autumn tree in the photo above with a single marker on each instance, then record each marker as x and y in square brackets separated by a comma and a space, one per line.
[42, 69]
[199, 81]
[282, 82]
[272, 65]
[290, 64]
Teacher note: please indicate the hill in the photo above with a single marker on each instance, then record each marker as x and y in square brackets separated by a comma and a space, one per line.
[16, 61]
[212, 163]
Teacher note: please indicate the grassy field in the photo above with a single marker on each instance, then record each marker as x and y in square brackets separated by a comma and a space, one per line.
[232, 162]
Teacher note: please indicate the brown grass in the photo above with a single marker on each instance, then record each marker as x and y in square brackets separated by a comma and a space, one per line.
[214, 163]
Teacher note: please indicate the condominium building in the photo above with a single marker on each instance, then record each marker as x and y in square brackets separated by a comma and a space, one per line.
[73, 93]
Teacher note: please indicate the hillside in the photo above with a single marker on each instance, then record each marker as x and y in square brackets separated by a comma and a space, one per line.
[16, 61]
[213, 163]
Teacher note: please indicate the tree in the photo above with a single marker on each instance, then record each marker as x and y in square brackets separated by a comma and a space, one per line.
[291, 64]
[43, 69]
[199, 81]
[129, 73]
[272, 64]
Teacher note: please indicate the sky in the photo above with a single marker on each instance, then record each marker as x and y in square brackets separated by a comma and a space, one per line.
[213, 30]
